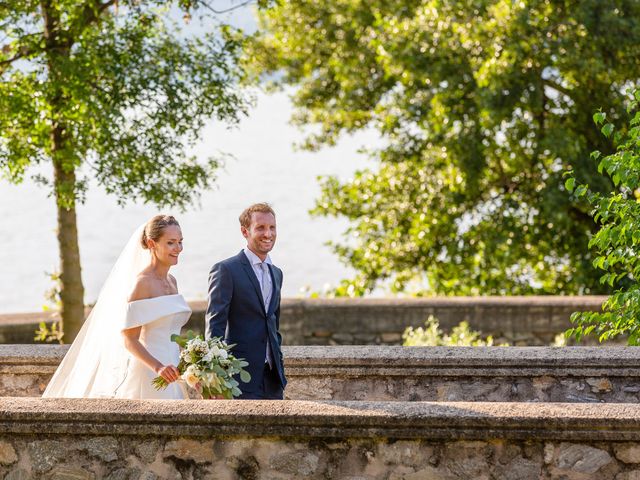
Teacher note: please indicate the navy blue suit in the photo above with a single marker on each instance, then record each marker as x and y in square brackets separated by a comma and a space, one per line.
[236, 312]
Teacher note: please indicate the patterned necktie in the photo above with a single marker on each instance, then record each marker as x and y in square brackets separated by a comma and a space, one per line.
[265, 284]
[266, 288]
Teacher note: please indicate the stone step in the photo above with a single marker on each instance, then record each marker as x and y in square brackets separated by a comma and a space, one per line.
[387, 373]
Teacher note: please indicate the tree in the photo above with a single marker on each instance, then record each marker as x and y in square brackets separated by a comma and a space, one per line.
[617, 242]
[109, 90]
[482, 104]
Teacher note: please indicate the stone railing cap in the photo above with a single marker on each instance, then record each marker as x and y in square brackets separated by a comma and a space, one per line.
[397, 356]
[470, 420]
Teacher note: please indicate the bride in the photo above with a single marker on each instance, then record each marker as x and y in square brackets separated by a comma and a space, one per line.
[126, 340]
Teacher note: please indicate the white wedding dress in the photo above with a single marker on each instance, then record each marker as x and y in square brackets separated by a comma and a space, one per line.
[97, 364]
[159, 317]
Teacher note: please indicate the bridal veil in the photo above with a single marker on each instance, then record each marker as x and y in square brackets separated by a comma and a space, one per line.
[96, 363]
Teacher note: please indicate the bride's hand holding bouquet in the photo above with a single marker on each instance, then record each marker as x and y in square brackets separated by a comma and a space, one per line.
[208, 367]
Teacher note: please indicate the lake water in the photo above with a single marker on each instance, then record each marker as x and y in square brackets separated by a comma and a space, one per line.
[266, 168]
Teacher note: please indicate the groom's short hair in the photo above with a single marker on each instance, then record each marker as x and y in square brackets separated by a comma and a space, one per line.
[245, 216]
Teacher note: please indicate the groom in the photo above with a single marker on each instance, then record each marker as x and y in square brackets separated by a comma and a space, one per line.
[244, 305]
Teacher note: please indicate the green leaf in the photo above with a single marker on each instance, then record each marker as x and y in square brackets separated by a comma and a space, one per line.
[607, 130]
[245, 376]
[599, 117]
[569, 184]
[581, 190]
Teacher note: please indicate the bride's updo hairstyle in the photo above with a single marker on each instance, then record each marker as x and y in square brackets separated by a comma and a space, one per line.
[155, 228]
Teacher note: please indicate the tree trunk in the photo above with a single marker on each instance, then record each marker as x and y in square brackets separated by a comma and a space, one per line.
[71, 288]
[64, 167]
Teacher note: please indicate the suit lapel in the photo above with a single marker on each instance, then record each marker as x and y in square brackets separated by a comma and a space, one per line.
[248, 269]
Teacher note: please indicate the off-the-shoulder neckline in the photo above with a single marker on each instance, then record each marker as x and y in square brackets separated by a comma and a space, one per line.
[155, 298]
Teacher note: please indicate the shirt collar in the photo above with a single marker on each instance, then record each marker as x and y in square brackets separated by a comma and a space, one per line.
[254, 259]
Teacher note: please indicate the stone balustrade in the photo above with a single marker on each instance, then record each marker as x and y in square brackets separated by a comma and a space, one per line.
[530, 320]
[127, 439]
[386, 373]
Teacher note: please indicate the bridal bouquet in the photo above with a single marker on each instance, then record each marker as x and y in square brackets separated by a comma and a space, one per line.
[207, 366]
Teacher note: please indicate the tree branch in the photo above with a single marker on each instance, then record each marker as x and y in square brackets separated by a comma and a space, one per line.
[23, 52]
[226, 10]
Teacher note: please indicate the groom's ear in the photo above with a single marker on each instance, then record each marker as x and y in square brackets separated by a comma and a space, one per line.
[245, 232]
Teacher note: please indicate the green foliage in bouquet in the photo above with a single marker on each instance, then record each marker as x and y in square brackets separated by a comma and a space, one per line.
[208, 366]
[617, 242]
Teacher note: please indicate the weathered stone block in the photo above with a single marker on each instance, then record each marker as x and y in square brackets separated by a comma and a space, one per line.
[401, 472]
[297, 463]
[405, 453]
[322, 333]
[188, 449]
[468, 459]
[633, 475]
[429, 473]
[7, 454]
[104, 448]
[342, 338]
[18, 474]
[71, 473]
[518, 468]
[599, 385]
[45, 454]
[581, 458]
[627, 453]
[148, 450]
[124, 474]
[391, 337]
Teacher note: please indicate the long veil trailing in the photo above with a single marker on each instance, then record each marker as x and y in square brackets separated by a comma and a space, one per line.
[96, 363]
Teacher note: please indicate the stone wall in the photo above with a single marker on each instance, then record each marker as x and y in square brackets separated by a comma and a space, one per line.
[516, 320]
[348, 419]
[385, 373]
[120, 439]
[534, 320]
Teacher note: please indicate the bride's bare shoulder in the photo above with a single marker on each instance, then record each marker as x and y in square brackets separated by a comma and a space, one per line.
[143, 287]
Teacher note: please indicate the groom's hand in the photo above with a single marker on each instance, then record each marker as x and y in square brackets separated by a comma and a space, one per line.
[169, 372]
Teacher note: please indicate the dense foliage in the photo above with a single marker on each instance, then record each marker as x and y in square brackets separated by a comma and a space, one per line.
[432, 336]
[617, 241]
[111, 91]
[482, 105]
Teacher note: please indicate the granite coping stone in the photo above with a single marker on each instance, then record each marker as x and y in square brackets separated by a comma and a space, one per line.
[329, 419]
[396, 360]
[594, 301]
[495, 300]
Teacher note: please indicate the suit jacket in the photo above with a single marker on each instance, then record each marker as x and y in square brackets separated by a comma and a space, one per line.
[236, 312]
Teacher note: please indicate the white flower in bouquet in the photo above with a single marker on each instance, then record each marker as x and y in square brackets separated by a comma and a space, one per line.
[208, 356]
[191, 375]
